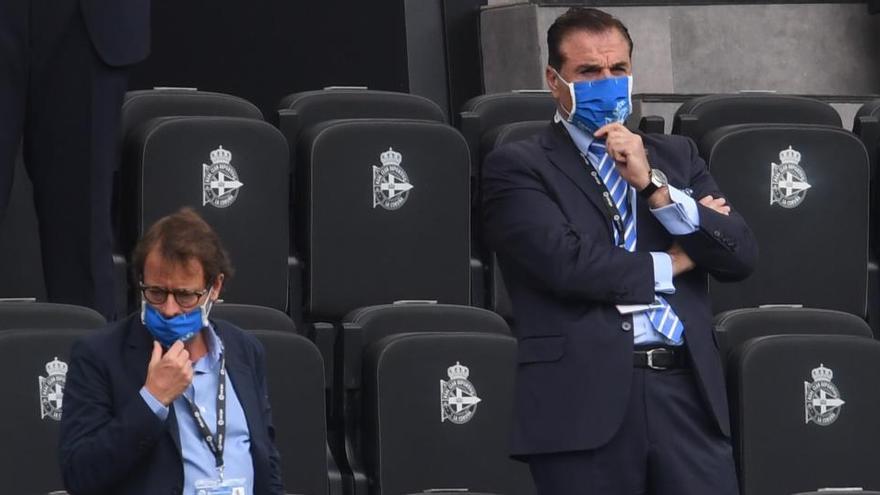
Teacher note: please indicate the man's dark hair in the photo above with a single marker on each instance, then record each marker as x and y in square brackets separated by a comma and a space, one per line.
[580, 19]
[180, 237]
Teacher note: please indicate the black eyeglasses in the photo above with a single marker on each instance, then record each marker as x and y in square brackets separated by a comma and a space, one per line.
[184, 298]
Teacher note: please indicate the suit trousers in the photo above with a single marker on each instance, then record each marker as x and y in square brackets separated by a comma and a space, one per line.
[668, 444]
[62, 103]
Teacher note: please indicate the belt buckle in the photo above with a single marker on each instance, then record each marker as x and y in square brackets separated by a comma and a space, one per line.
[651, 364]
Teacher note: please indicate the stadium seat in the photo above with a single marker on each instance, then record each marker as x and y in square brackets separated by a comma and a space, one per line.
[405, 435]
[232, 171]
[250, 317]
[867, 126]
[804, 413]
[696, 117]
[33, 366]
[736, 326]
[803, 189]
[143, 105]
[484, 113]
[31, 314]
[296, 381]
[384, 214]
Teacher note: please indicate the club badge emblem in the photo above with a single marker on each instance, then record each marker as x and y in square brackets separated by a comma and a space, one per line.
[458, 397]
[822, 401]
[51, 389]
[788, 181]
[220, 184]
[391, 185]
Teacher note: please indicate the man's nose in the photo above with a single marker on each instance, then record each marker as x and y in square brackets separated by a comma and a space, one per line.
[170, 308]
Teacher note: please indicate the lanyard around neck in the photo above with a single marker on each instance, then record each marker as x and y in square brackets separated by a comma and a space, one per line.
[215, 441]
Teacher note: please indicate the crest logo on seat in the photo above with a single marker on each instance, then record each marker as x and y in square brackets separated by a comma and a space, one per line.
[220, 184]
[822, 401]
[458, 397]
[391, 185]
[51, 389]
[788, 181]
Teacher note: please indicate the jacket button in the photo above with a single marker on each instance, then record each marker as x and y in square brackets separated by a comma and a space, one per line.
[717, 234]
[626, 326]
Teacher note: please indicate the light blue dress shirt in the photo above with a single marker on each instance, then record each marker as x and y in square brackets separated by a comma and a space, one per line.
[198, 461]
[679, 218]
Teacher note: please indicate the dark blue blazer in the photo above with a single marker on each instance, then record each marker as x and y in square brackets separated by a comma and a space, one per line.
[119, 29]
[544, 218]
[112, 443]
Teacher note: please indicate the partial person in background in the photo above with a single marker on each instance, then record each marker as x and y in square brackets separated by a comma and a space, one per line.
[62, 79]
[168, 400]
[605, 238]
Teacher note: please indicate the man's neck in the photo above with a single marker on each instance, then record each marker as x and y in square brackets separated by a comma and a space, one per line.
[197, 347]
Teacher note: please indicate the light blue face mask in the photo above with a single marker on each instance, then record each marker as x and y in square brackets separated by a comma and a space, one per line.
[600, 102]
[181, 327]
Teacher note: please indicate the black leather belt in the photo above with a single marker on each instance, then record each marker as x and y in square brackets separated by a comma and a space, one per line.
[661, 358]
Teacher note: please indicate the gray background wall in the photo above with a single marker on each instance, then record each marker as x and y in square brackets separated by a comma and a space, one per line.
[812, 49]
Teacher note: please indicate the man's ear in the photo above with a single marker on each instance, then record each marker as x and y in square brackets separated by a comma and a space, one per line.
[217, 286]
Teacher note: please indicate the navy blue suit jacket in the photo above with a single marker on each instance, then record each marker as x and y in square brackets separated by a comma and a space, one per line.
[544, 218]
[119, 29]
[112, 443]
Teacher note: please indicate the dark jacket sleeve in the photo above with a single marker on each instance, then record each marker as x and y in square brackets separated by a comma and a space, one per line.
[526, 225]
[100, 446]
[275, 485]
[724, 245]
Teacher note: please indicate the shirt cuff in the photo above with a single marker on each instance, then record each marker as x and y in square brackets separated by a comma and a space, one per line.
[159, 409]
[663, 273]
[681, 217]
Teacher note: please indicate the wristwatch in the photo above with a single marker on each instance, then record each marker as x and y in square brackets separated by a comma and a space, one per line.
[658, 180]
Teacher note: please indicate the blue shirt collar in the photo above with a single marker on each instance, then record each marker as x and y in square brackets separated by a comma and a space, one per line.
[215, 350]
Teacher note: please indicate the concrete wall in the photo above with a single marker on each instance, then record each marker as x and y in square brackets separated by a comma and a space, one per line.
[820, 49]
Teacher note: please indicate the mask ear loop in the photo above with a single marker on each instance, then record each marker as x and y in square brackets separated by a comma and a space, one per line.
[573, 110]
[205, 309]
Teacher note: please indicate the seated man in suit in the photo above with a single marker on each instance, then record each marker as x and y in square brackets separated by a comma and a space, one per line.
[605, 254]
[167, 401]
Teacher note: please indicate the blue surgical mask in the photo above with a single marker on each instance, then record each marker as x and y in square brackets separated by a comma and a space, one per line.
[181, 327]
[600, 102]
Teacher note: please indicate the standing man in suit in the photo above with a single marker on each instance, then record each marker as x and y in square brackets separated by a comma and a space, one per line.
[62, 80]
[605, 253]
[168, 401]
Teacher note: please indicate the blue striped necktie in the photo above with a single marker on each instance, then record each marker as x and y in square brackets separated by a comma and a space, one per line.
[663, 318]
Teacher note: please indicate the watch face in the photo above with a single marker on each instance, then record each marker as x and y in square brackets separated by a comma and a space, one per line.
[658, 178]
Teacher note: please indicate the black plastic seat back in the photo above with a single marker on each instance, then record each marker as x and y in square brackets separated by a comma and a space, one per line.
[142, 105]
[232, 171]
[30, 314]
[696, 117]
[394, 425]
[735, 327]
[299, 111]
[295, 373]
[484, 113]
[418, 436]
[805, 411]
[33, 367]
[803, 190]
[384, 213]
[252, 317]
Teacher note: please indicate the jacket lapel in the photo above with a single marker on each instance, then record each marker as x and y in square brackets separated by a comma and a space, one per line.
[564, 155]
[241, 377]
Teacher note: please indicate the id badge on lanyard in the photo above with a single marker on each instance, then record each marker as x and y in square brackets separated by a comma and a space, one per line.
[234, 486]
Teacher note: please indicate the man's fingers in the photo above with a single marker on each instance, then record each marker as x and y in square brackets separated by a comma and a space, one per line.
[706, 200]
[157, 353]
[175, 350]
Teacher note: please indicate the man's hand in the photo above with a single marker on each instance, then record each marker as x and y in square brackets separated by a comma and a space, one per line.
[628, 152]
[169, 375]
[717, 204]
[681, 262]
